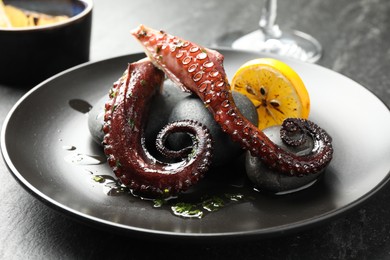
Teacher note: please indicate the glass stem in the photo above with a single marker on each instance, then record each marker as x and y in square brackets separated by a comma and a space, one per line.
[267, 21]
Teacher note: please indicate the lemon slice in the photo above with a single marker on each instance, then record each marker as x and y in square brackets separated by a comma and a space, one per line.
[274, 88]
[4, 20]
[16, 16]
[11, 16]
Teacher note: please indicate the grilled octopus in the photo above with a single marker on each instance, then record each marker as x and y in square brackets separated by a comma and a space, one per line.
[124, 141]
[200, 70]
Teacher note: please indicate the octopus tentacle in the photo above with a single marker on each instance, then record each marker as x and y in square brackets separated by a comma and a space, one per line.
[177, 127]
[200, 70]
[124, 142]
[294, 131]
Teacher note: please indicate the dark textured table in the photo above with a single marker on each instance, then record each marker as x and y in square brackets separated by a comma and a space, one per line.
[355, 36]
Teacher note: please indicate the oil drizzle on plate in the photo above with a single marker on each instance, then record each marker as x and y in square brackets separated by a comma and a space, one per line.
[84, 159]
[191, 206]
[205, 205]
[111, 186]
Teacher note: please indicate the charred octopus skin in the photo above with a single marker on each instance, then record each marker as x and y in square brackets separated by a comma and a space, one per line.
[124, 141]
[200, 70]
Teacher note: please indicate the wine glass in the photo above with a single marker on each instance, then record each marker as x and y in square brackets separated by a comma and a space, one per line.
[269, 38]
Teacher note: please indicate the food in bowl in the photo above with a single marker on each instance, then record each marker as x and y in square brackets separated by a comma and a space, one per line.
[14, 17]
[32, 54]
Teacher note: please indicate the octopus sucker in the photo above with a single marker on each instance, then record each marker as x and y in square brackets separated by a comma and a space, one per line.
[200, 70]
[125, 117]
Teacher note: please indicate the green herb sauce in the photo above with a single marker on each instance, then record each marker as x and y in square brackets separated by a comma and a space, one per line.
[201, 208]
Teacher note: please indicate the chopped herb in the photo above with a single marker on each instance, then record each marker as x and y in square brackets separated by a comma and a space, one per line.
[112, 93]
[98, 178]
[186, 210]
[143, 82]
[118, 163]
[183, 207]
[131, 123]
[158, 203]
[213, 204]
[192, 153]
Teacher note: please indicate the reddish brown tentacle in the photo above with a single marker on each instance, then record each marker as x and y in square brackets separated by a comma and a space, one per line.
[200, 70]
[124, 143]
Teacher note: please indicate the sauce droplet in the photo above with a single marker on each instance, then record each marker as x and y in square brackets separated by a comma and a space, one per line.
[83, 159]
[69, 147]
[80, 105]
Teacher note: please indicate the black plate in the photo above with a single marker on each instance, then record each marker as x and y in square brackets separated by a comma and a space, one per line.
[39, 132]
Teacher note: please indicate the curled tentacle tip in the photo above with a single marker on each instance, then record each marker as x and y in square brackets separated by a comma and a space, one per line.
[199, 134]
[294, 131]
[268, 177]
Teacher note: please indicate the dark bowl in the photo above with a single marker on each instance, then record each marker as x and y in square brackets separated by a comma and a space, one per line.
[32, 54]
